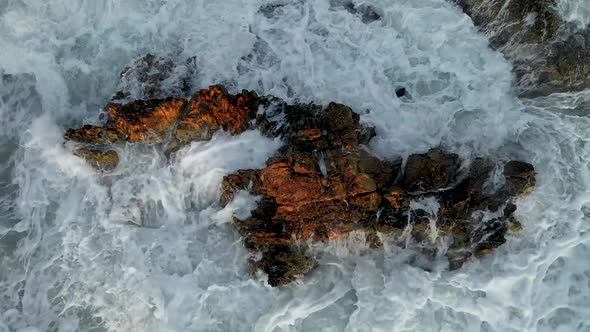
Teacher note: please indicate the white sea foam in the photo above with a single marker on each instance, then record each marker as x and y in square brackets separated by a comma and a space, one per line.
[575, 11]
[70, 261]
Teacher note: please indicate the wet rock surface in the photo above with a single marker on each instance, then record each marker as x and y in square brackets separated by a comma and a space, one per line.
[148, 121]
[215, 109]
[152, 76]
[99, 159]
[324, 183]
[283, 265]
[548, 55]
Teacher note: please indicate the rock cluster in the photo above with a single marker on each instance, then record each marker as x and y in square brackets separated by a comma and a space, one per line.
[548, 54]
[173, 122]
[324, 183]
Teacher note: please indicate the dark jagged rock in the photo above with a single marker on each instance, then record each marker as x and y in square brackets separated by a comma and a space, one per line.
[268, 10]
[93, 135]
[368, 13]
[548, 55]
[324, 183]
[99, 159]
[430, 171]
[520, 178]
[283, 265]
[400, 92]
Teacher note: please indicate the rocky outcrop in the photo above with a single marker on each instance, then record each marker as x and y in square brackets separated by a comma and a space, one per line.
[548, 55]
[173, 122]
[324, 183]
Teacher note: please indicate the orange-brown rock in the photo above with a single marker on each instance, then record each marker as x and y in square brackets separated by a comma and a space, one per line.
[150, 121]
[312, 204]
[398, 198]
[245, 178]
[93, 135]
[323, 185]
[214, 109]
[292, 184]
[173, 120]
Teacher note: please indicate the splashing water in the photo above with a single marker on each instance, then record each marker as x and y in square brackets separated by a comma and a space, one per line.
[575, 11]
[69, 263]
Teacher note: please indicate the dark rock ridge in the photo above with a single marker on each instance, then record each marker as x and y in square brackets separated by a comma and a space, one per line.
[324, 183]
[548, 55]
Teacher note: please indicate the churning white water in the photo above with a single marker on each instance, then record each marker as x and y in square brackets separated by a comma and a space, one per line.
[70, 262]
[575, 11]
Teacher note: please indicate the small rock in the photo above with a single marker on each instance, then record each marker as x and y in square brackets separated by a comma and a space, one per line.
[368, 13]
[432, 170]
[398, 198]
[102, 160]
[400, 92]
[520, 178]
[283, 265]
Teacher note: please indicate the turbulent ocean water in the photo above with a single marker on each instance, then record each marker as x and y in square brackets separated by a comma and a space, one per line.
[69, 261]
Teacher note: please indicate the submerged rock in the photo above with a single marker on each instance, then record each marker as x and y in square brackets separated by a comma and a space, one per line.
[152, 77]
[324, 183]
[368, 13]
[547, 54]
[520, 178]
[99, 159]
[400, 92]
[283, 265]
